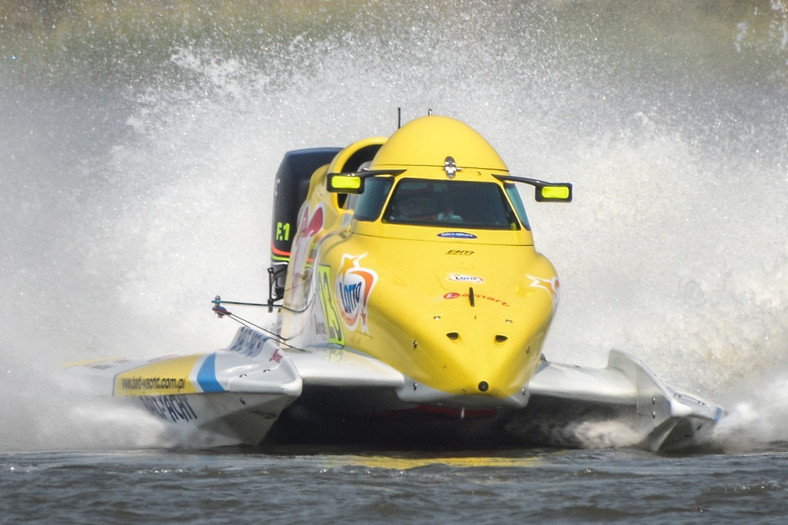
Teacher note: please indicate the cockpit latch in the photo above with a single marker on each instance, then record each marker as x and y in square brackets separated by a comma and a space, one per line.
[450, 167]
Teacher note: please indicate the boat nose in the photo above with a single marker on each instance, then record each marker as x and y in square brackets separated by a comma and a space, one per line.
[482, 364]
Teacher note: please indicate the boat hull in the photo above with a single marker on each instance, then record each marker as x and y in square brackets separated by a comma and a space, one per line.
[214, 419]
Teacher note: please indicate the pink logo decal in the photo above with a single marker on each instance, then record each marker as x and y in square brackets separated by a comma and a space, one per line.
[354, 286]
[310, 223]
[476, 296]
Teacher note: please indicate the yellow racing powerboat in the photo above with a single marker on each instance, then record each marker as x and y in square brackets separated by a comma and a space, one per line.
[411, 310]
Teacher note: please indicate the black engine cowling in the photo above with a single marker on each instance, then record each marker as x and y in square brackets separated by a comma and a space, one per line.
[292, 185]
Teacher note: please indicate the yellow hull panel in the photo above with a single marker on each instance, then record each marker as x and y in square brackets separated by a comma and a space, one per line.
[456, 305]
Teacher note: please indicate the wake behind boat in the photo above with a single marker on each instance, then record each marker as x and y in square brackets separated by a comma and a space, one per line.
[411, 310]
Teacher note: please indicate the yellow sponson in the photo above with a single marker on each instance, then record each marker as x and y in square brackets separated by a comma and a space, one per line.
[164, 377]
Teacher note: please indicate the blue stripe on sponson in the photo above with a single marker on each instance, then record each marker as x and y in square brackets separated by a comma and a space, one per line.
[206, 377]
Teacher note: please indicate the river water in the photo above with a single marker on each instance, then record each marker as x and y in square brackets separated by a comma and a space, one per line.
[535, 486]
[138, 145]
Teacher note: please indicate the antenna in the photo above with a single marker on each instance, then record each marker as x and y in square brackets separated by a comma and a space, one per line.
[399, 117]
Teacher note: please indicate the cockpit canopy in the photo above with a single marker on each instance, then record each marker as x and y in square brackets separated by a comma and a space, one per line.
[447, 203]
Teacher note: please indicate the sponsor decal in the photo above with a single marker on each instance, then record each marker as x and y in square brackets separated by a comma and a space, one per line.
[310, 223]
[161, 377]
[151, 384]
[477, 297]
[282, 231]
[354, 285]
[548, 285]
[456, 235]
[319, 325]
[333, 326]
[461, 278]
[248, 342]
[169, 408]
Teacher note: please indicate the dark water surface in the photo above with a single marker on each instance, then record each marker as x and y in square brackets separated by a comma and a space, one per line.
[511, 486]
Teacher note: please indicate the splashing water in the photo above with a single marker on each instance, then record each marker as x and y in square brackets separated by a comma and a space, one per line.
[134, 195]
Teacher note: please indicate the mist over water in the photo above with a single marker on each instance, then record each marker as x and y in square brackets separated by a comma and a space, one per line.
[137, 178]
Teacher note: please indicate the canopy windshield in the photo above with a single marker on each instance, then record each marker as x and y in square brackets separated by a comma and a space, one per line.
[448, 203]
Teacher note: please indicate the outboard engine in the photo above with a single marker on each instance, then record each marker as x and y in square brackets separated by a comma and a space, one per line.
[292, 185]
